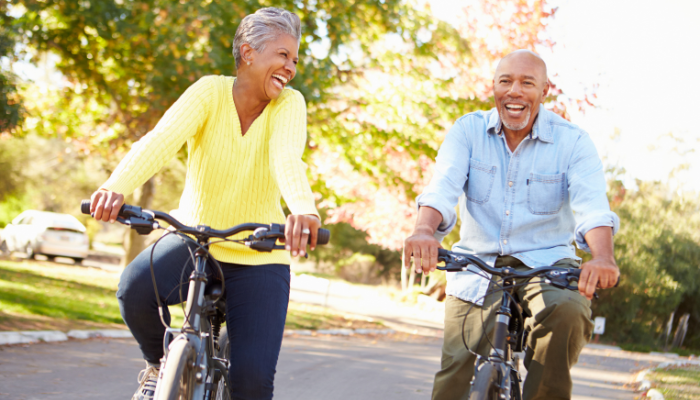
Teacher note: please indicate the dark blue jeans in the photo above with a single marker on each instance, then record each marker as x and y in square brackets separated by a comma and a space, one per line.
[256, 308]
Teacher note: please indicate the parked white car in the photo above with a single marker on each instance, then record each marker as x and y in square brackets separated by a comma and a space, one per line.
[51, 234]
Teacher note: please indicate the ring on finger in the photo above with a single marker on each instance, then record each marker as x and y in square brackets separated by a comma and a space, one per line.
[305, 231]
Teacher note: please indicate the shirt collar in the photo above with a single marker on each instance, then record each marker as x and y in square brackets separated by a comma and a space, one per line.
[541, 130]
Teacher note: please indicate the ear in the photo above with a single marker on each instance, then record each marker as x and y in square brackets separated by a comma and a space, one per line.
[247, 53]
[545, 90]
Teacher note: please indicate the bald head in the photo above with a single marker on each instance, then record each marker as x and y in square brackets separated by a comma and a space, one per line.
[519, 86]
[526, 57]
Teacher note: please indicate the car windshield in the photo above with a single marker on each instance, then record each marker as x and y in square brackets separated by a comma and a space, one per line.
[60, 221]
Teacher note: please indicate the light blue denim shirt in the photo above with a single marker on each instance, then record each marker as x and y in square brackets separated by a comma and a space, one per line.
[532, 203]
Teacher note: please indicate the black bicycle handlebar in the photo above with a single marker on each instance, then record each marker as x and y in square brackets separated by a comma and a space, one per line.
[559, 277]
[143, 221]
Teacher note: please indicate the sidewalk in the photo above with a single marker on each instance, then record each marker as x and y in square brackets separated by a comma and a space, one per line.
[426, 317]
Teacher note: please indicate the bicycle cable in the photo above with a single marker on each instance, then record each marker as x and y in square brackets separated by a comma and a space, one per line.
[488, 293]
[184, 239]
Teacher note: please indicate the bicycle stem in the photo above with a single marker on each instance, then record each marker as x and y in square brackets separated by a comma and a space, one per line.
[503, 316]
[195, 294]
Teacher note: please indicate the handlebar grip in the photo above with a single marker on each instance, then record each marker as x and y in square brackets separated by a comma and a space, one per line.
[129, 209]
[324, 236]
[85, 207]
[443, 252]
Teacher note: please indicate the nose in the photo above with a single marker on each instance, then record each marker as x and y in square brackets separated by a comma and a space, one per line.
[290, 67]
[516, 89]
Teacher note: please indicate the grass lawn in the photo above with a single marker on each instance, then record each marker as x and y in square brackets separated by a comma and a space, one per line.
[677, 382]
[42, 295]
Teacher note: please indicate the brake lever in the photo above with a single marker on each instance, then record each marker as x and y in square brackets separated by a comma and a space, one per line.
[266, 245]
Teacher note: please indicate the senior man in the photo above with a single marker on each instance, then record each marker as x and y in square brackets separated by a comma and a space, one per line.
[528, 184]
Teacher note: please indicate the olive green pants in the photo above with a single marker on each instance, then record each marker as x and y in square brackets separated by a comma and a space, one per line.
[558, 330]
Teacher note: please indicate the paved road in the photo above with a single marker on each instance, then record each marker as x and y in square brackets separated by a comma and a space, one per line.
[310, 368]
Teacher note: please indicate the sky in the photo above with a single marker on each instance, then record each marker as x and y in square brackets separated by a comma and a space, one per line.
[643, 57]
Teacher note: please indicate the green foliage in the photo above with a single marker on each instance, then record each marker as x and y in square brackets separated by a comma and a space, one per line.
[50, 174]
[12, 158]
[11, 109]
[139, 56]
[658, 252]
[11, 207]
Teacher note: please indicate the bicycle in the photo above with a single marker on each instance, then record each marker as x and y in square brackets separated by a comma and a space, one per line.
[195, 364]
[497, 377]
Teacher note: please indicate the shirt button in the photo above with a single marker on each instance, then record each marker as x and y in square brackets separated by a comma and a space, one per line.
[505, 241]
[510, 183]
[507, 212]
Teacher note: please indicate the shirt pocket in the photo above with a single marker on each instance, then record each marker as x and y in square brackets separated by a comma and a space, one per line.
[546, 193]
[480, 181]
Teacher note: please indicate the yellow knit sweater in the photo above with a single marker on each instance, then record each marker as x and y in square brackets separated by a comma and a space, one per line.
[231, 179]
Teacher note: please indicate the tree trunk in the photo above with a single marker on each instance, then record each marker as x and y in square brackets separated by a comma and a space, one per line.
[133, 242]
[404, 272]
[681, 331]
[411, 279]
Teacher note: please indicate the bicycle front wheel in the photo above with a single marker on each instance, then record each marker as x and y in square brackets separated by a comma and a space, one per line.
[485, 383]
[221, 390]
[178, 379]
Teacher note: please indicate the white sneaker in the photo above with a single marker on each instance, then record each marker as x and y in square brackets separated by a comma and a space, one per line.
[147, 383]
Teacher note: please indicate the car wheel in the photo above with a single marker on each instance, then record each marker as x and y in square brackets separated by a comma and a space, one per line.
[4, 250]
[78, 261]
[29, 250]
[51, 258]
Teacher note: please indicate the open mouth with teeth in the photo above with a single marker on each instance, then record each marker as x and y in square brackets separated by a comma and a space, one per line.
[279, 80]
[515, 110]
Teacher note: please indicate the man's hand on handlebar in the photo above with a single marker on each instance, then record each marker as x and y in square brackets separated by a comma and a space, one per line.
[299, 231]
[600, 273]
[423, 247]
[105, 205]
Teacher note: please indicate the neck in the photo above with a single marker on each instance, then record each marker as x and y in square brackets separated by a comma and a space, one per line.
[247, 98]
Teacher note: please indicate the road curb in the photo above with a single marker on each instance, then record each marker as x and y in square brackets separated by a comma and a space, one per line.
[31, 337]
[105, 333]
[23, 337]
[12, 337]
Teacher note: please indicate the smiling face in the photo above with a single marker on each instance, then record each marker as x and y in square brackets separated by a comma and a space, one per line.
[519, 87]
[274, 67]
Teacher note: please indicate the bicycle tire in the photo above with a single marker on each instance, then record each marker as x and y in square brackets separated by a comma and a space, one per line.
[178, 378]
[221, 391]
[485, 383]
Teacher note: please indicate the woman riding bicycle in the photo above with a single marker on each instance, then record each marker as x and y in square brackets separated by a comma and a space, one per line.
[245, 137]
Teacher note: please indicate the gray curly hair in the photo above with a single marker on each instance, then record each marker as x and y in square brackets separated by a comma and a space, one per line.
[265, 24]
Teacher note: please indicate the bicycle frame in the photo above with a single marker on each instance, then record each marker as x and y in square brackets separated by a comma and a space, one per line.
[197, 330]
[501, 354]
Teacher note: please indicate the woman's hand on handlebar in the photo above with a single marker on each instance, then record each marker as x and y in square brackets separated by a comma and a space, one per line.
[295, 236]
[423, 247]
[105, 205]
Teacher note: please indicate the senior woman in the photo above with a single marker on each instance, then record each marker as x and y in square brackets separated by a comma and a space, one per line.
[245, 138]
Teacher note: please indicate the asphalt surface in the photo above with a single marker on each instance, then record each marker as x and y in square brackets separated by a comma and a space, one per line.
[309, 368]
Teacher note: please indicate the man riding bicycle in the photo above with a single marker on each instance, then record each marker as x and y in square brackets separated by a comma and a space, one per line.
[245, 137]
[528, 184]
